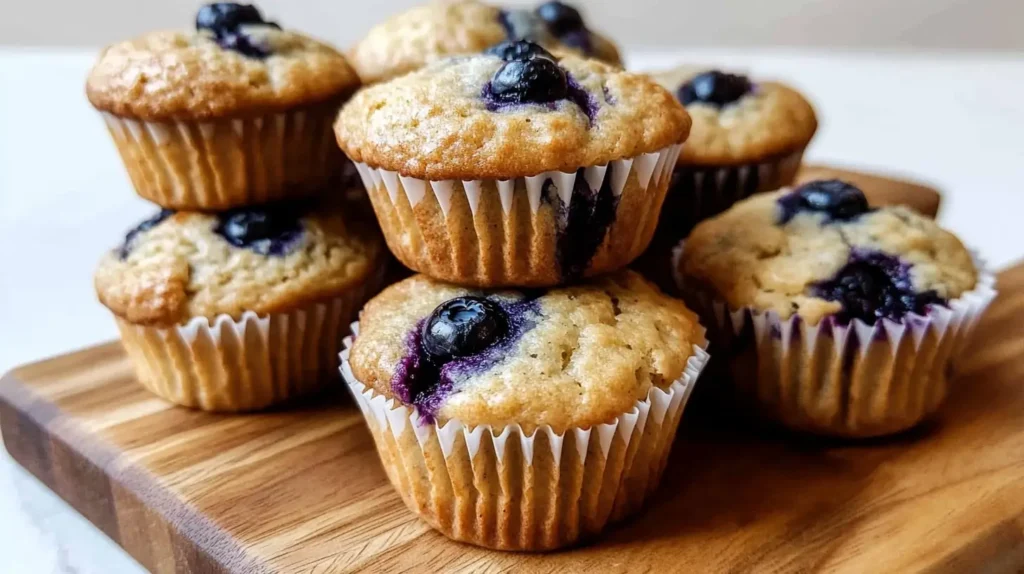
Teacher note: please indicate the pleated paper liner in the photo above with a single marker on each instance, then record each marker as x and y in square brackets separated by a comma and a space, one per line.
[248, 363]
[507, 489]
[854, 380]
[509, 232]
[232, 162]
[697, 193]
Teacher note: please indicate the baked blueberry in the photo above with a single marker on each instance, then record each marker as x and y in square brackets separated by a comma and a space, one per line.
[872, 286]
[225, 20]
[838, 200]
[510, 50]
[538, 81]
[462, 327]
[715, 88]
[146, 225]
[560, 18]
[270, 230]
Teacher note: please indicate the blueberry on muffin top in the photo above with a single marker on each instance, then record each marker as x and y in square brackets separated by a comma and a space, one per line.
[442, 28]
[177, 266]
[818, 251]
[501, 115]
[566, 357]
[234, 63]
[737, 120]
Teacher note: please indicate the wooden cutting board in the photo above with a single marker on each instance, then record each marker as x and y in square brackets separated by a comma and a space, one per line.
[302, 491]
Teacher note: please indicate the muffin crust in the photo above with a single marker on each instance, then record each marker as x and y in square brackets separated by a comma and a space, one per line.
[181, 268]
[592, 351]
[186, 75]
[748, 260]
[434, 124]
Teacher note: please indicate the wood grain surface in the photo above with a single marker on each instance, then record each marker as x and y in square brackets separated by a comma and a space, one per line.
[302, 491]
[880, 189]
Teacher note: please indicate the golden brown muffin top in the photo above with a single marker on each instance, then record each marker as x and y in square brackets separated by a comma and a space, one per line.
[438, 123]
[770, 121]
[770, 255]
[574, 357]
[424, 34]
[188, 75]
[183, 265]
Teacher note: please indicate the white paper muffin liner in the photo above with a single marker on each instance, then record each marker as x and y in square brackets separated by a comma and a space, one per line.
[854, 380]
[248, 363]
[504, 232]
[231, 162]
[508, 489]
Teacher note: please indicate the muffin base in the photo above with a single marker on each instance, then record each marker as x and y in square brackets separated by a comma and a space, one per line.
[221, 164]
[507, 489]
[496, 233]
[852, 381]
[246, 364]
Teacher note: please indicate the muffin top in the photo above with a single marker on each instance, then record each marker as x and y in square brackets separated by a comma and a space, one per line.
[512, 112]
[233, 64]
[441, 28]
[566, 357]
[737, 120]
[274, 258]
[819, 250]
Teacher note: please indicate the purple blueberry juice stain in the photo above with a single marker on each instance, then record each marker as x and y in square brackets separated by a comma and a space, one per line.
[874, 285]
[425, 383]
[582, 226]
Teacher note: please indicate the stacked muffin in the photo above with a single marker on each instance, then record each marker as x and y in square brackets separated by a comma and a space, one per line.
[236, 295]
[524, 389]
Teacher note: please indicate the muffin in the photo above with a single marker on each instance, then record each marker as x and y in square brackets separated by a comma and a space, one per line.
[410, 40]
[524, 420]
[514, 167]
[241, 310]
[748, 137]
[234, 113]
[834, 318]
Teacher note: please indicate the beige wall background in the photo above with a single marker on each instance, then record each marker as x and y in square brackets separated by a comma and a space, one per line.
[863, 24]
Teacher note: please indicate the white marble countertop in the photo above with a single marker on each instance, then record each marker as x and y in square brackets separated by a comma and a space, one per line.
[953, 120]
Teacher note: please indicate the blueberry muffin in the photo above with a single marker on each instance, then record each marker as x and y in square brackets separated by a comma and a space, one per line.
[442, 28]
[234, 113]
[515, 167]
[748, 136]
[835, 318]
[241, 310]
[482, 403]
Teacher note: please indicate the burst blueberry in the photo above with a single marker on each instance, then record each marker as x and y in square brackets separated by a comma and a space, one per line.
[462, 327]
[225, 20]
[538, 81]
[270, 230]
[715, 88]
[146, 225]
[838, 200]
[874, 285]
[518, 50]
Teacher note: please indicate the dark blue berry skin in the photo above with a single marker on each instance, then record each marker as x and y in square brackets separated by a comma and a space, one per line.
[838, 200]
[267, 230]
[715, 88]
[560, 18]
[225, 20]
[518, 50]
[535, 81]
[461, 327]
[146, 225]
[583, 225]
[463, 336]
[874, 285]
